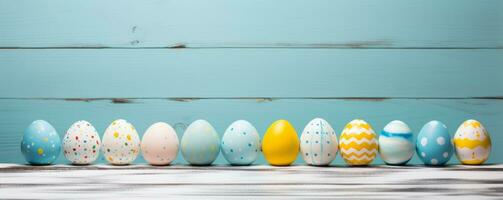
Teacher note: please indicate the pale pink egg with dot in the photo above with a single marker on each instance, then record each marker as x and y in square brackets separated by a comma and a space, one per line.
[160, 144]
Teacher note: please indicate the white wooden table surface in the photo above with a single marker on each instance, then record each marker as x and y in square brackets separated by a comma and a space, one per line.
[253, 182]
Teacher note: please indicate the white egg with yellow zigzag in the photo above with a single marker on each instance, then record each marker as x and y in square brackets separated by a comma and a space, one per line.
[358, 144]
[472, 143]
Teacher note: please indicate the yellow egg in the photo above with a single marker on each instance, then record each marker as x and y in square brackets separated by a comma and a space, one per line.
[280, 144]
[358, 144]
[472, 143]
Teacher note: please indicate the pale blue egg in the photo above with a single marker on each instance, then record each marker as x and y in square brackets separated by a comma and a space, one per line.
[396, 145]
[434, 144]
[241, 143]
[200, 143]
[41, 143]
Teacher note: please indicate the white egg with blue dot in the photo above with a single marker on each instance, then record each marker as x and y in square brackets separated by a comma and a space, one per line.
[434, 145]
[41, 143]
[200, 143]
[318, 143]
[241, 143]
[396, 145]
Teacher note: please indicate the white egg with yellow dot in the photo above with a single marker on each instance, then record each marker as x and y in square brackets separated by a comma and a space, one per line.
[121, 143]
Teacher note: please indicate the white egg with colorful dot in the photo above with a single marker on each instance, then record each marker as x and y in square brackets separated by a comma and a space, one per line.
[121, 143]
[81, 143]
[159, 144]
[318, 143]
[241, 143]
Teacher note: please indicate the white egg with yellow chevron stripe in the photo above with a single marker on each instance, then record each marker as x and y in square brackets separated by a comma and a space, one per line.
[472, 143]
[358, 144]
[318, 143]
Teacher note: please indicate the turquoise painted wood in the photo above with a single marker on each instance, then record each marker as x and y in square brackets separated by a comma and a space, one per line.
[252, 23]
[242, 73]
[258, 60]
[15, 115]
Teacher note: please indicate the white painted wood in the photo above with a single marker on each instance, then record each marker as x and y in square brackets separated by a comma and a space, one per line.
[253, 182]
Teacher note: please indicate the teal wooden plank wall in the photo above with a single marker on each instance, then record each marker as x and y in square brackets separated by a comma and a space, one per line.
[260, 60]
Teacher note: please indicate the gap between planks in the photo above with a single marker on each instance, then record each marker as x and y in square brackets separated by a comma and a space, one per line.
[328, 46]
[258, 99]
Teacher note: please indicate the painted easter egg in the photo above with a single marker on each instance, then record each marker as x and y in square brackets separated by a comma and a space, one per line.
[280, 144]
[433, 144]
[472, 143]
[358, 143]
[200, 143]
[241, 143]
[318, 143]
[396, 143]
[159, 144]
[121, 143]
[81, 144]
[41, 143]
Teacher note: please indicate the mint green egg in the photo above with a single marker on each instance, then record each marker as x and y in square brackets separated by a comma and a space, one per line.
[200, 143]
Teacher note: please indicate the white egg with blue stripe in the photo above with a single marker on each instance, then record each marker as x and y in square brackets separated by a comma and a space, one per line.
[396, 145]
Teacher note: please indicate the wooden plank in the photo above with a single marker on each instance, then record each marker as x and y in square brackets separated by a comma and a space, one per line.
[251, 23]
[16, 115]
[245, 73]
[255, 182]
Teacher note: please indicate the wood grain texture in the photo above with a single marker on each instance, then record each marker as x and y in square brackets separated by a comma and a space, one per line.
[16, 115]
[250, 73]
[255, 182]
[251, 23]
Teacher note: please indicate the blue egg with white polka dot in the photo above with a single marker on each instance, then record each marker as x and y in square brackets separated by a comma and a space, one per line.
[241, 143]
[434, 144]
[41, 144]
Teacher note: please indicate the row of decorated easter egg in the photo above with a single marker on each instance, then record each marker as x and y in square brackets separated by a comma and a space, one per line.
[240, 145]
